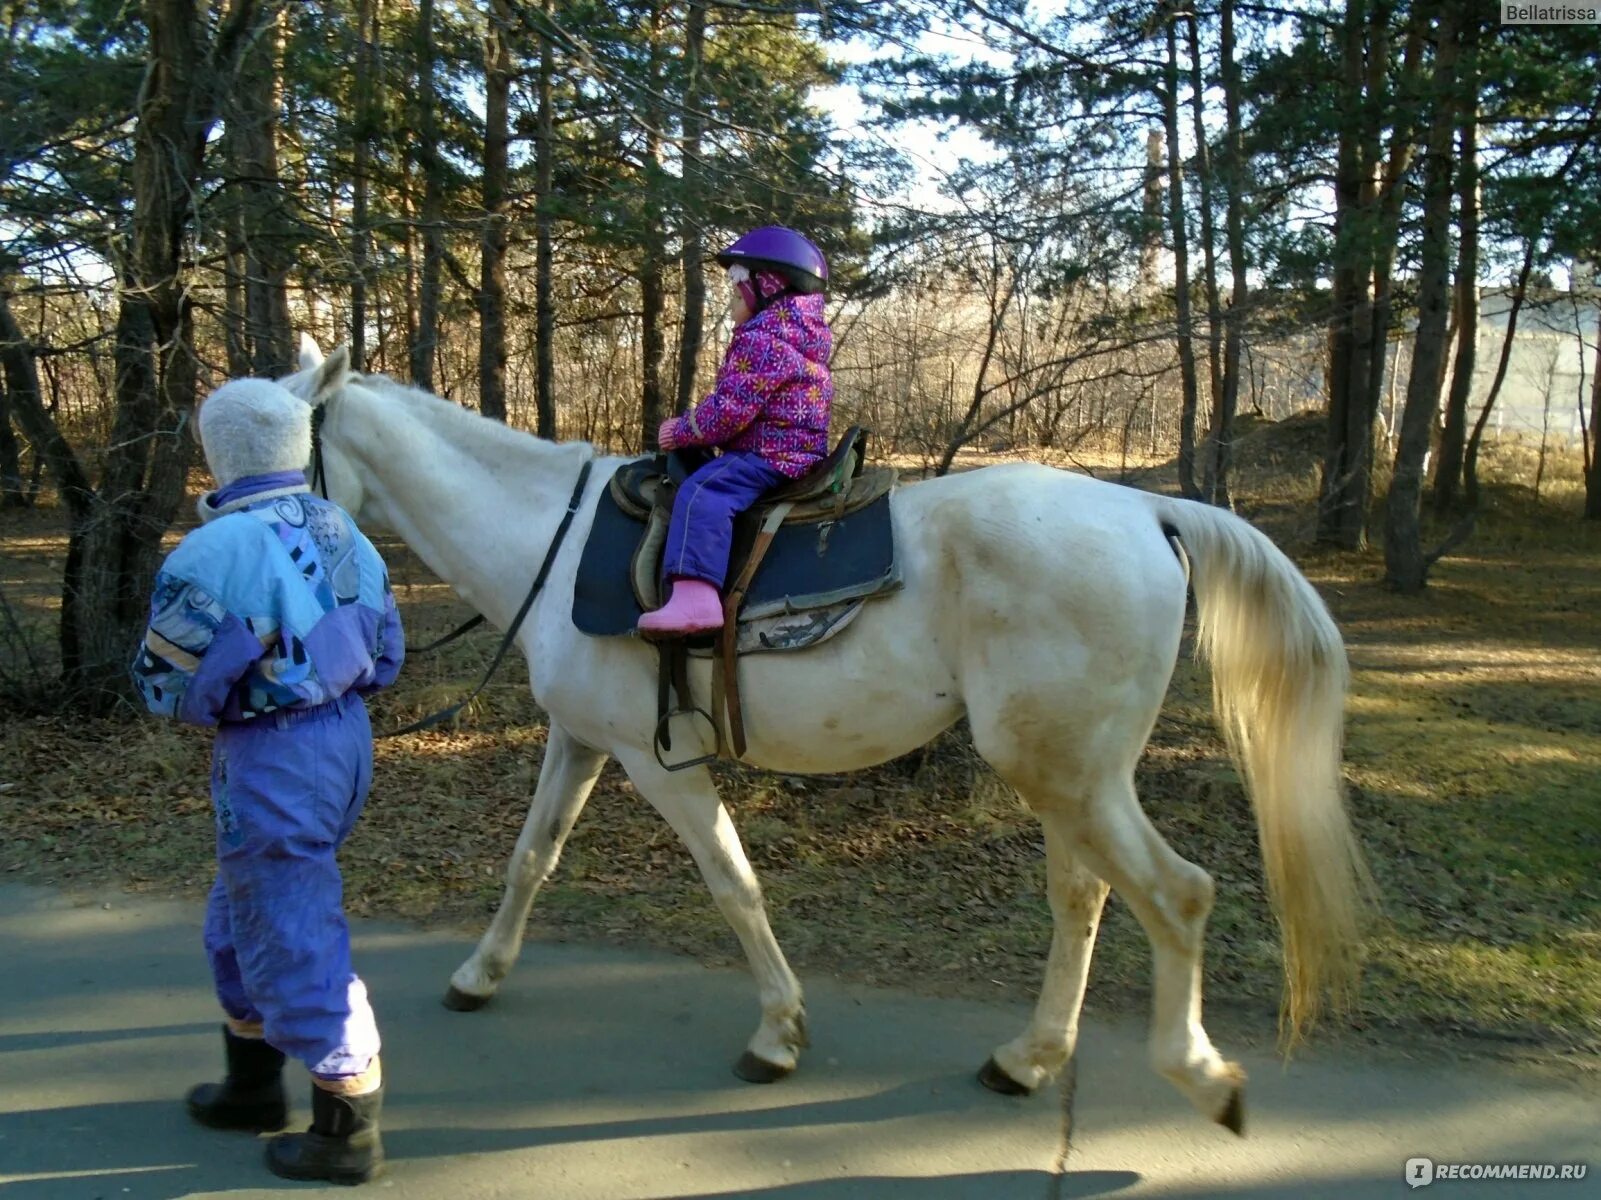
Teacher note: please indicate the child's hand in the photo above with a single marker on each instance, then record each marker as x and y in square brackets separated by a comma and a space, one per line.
[665, 437]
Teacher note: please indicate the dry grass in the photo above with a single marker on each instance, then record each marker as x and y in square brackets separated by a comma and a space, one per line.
[1473, 736]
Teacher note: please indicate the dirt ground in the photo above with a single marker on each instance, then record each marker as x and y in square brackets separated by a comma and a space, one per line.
[1474, 728]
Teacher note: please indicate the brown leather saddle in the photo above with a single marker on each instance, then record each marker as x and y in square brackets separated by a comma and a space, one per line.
[804, 558]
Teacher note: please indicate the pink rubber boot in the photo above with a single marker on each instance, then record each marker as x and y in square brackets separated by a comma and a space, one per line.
[695, 607]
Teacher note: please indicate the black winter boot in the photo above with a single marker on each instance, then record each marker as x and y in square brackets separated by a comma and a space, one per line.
[251, 1096]
[342, 1145]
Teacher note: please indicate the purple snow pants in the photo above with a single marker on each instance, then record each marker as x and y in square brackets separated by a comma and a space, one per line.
[286, 789]
[701, 535]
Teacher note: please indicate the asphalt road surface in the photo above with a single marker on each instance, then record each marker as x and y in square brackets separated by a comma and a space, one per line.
[604, 1074]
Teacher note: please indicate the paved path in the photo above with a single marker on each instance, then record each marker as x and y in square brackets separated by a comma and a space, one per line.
[604, 1074]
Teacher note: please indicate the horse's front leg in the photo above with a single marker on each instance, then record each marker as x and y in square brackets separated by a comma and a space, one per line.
[689, 802]
[566, 778]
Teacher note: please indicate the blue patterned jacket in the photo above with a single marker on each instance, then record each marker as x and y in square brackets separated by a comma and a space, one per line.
[278, 601]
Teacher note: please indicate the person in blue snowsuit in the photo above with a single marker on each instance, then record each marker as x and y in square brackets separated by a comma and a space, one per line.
[271, 622]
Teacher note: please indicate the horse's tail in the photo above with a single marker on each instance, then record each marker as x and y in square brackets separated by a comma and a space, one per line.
[1278, 686]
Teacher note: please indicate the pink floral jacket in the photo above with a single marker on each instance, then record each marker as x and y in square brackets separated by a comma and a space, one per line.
[774, 391]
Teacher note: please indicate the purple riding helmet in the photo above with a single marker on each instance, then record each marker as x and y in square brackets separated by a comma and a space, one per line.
[784, 252]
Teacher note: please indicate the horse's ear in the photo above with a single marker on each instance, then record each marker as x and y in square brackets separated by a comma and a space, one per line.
[331, 375]
[310, 352]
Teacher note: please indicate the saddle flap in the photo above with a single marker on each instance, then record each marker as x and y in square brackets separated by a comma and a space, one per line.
[644, 572]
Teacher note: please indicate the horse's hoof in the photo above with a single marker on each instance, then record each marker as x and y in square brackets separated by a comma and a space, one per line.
[1233, 1118]
[457, 1000]
[758, 1070]
[993, 1077]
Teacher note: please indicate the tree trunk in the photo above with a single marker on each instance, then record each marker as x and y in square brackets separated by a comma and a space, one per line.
[691, 208]
[544, 255]
[236, 339]
[426, 343]
[19, 389]
[115, 539]
[652, 295]
[1391, 203]
[20, 376]
[1342, 505]
[492, 287]
[1453, 438]
[13, 492]
[1217, 489]
[652, 292]
[1470, 462]
[1406, 568]
[1151, 215]
[1203, 178]
[268, 228]
[364, 131]
[1592, 474]
[408, 213]
[1372, 256]
[1181, 269]
[1367, 223]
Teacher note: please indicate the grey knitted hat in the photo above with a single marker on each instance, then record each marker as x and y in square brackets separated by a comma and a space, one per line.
[254, 427]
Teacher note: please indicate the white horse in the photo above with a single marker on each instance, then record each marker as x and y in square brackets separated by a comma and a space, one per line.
[1044, 606]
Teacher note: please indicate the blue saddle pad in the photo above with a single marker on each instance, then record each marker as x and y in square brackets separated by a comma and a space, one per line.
[810, 565]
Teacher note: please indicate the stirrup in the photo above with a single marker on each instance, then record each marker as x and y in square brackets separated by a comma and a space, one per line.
[662, 740]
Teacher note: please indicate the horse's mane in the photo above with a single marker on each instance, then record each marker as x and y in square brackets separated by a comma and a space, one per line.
[470, 430]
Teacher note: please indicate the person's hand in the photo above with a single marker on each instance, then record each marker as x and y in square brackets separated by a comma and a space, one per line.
[666, 438]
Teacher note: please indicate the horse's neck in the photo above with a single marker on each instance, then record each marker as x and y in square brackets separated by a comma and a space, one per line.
[478, 503]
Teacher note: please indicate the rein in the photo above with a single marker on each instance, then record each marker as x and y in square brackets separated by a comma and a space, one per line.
[319, 477]
[464, 628]
[445, 714]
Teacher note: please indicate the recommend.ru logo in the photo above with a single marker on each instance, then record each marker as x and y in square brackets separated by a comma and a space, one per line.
[1420, 1172]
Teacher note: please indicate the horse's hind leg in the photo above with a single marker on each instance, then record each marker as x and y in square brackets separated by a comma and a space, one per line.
[565, 780]
[1171, 898]
[1077, 896]
[689, 802]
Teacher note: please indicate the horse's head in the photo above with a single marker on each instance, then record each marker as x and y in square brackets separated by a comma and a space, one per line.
[321, 383]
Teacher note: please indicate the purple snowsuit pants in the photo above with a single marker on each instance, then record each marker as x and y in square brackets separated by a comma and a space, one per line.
[701, 535]
[286, 789]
